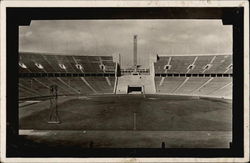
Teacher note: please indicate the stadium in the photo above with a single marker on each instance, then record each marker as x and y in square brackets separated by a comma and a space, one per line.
[180, 101]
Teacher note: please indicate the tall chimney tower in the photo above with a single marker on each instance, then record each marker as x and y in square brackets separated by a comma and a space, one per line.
[135, 51]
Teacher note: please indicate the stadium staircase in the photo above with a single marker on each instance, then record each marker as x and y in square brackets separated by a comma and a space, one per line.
[145, 81]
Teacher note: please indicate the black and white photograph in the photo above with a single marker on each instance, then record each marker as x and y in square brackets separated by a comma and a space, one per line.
[126, 82]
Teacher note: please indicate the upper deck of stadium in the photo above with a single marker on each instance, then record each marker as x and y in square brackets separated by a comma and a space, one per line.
[42, 63]
[208, 64]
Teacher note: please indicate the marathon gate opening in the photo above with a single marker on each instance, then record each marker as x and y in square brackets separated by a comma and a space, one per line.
[135, 90]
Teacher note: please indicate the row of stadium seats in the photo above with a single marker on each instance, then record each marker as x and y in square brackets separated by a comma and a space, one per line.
[40, 63]
[36, 87]
[221, 86]
[194, 64]
[103, 84]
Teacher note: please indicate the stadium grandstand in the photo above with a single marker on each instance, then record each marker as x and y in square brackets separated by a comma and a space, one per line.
[208, 75]
[85, 75]
[178, 96]
[39, 71]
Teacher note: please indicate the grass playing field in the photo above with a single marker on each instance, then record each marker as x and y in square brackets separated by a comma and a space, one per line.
[154, 112]
[132, 121]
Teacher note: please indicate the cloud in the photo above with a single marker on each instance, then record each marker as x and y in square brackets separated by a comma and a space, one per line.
[105, 37]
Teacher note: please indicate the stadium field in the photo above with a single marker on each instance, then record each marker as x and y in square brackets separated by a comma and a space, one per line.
[132, 112]
[131, 121]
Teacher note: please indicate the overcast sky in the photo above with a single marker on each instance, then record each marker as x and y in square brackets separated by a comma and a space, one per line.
[107, 37]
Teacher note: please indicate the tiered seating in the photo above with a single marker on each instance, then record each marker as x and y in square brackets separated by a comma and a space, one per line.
[214, 87]
[29, 61]
[219, 86]
[191, 85]
[40, 87]
[62, 89]
[169, 85]
[77, 85]
[36, 87]
[225, 91]
[41, 63]
[67, 61]
[51, 63]
[101, 85]
[220, 64]
[24, 93]
[212, 64]
[200, 63]
[159, 65]
[112, 81]
[180, 64]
